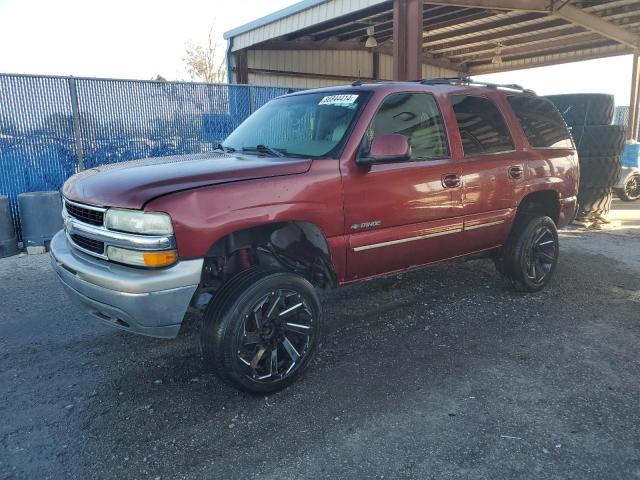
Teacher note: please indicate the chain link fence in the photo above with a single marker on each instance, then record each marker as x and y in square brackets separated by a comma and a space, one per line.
[53, 127]
[621, 116]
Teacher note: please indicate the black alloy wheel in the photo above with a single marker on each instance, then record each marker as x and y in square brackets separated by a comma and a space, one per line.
[530, 255]
[631, 189]
[542, 254]
[276, 336]
[261, 329]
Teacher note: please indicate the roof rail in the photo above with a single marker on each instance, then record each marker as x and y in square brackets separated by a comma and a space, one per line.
[469, 81]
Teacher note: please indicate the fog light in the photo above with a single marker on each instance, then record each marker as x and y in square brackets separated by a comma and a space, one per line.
[142, 259]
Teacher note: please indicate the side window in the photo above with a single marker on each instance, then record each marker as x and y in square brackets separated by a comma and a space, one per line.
[542, 123]
[482, 128]
[416, 116]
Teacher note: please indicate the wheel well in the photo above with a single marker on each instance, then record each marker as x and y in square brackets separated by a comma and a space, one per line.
[544, 202]
[300, 247]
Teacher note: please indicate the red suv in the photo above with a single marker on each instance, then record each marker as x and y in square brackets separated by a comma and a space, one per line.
[319, 188]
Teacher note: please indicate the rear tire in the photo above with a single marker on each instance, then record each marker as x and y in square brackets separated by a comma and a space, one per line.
[584, 108]
[529, 258]
[261, 331]
[599, 172]
[594, 201]
[599, 140]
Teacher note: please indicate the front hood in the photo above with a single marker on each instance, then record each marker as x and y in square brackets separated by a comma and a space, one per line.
[132, 184]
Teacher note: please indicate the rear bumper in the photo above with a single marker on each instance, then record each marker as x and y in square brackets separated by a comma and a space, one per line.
[147, 302]
[568, 210]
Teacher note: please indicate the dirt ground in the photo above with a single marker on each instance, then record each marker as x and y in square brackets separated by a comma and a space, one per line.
[436, 374]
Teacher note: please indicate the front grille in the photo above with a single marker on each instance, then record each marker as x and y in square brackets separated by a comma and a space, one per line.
[86, 215]
[88, 243]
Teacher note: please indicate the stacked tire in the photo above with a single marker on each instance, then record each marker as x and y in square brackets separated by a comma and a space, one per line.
[600, 146]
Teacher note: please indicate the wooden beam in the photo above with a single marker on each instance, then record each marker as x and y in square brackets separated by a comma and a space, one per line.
[522, 5]
[407, 39]
[545, 60]
[597, 24]
[632, 122]
[475, 29]
[485, 49]
[480, 51]
[336, 22]
[433, 18]
[539, 48]
[530, 46]
[493, 36]
[547, 29]
[347, 31]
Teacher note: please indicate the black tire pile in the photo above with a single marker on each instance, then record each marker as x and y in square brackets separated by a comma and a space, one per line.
[600, 146]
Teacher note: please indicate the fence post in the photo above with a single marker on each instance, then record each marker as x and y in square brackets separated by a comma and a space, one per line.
[75, 112]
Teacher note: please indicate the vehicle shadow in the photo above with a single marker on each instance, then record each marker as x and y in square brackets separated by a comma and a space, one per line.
[424, 344]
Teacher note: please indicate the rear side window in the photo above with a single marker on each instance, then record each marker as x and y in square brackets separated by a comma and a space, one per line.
[416, 116]
[482, 128]
[541, 122]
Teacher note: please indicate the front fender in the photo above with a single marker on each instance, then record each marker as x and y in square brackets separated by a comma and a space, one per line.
[202, 216]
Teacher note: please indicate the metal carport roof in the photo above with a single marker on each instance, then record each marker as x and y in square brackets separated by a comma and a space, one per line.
[465, 35]
[468, 37]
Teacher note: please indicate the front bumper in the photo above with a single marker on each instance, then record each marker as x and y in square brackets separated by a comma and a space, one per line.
[148, 302]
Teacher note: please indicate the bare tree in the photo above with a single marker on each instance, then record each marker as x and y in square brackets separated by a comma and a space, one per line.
[206, 63]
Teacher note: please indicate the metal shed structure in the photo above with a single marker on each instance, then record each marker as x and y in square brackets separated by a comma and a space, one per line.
[324, 42]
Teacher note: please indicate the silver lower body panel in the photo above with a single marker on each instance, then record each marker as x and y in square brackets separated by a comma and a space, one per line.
[147, 302]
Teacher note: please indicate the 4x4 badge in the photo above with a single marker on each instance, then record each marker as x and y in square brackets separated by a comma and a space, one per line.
[359, 226]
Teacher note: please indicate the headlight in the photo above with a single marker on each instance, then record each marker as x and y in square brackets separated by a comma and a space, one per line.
[134, 221]
[142, 259]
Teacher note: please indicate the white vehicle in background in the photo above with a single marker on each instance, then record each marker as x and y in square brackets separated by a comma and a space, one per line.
[628, 186]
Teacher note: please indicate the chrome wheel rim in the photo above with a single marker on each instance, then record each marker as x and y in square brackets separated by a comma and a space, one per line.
[541, 257]
[632, 188]
[276, 336]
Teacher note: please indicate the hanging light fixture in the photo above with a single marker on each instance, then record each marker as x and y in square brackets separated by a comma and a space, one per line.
[497, 58]
[371, 40]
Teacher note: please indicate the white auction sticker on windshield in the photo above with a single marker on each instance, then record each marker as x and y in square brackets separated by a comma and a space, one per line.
[338, 100]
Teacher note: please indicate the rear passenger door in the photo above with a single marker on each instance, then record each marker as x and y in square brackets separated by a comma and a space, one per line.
[551, 158]
[493, 170]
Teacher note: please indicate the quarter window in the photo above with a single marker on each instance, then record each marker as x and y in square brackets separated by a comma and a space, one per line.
[541, 122]
[482, 128]
[416, 116]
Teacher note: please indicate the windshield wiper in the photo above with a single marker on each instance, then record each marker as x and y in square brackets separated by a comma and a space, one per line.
[224, 149]
[265, 149]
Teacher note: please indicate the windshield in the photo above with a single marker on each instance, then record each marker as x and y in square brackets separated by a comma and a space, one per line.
[309, 125]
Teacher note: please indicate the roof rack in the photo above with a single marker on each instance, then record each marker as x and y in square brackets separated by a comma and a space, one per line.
[470, 82]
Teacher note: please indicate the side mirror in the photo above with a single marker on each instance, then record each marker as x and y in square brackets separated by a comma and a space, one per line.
[387, 148]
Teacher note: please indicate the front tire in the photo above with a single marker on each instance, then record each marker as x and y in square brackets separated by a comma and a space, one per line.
[529, 258]
[261, 332]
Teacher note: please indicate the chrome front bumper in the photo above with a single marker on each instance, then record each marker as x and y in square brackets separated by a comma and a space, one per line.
[148, 302]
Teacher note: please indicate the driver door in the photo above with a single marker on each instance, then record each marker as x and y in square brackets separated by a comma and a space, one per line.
[408, 213]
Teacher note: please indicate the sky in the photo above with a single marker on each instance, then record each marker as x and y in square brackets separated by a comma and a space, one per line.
[140, 39]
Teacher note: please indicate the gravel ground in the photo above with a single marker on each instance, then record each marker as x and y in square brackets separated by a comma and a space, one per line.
[440, 373]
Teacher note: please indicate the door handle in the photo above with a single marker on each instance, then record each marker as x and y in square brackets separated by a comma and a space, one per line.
[516, 172]
[451, 180]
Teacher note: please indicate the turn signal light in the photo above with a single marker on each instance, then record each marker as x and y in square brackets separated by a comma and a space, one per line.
[160, 259]
[141, 258]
